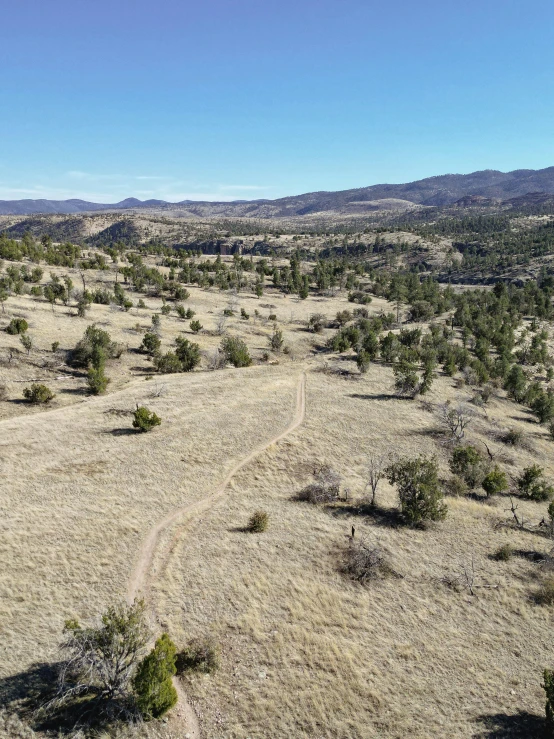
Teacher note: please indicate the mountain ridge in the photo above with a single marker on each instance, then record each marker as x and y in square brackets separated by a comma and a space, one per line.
[438, 190]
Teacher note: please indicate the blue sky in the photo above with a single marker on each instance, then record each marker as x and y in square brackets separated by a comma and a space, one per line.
[239, 99]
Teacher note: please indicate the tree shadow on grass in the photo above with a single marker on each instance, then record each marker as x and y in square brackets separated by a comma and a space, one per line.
[386, 517]
[375, 396]
[521, 725]
[145, 370]
[26, 693]
[122, 432]
[74, 391]
[29, 689]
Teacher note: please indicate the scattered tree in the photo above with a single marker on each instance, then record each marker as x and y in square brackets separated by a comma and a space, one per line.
[532, 484]
[236, 352]
[145, 420]
[17, 326]
[154, 690]
[38, 393]
[419, 492]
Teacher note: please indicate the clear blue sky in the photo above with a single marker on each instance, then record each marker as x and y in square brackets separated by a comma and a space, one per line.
[229, 99]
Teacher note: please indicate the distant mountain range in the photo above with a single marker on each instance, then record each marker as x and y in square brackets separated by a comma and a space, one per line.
[443, 190]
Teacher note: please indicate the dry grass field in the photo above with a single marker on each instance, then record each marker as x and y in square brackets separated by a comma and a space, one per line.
[305, 652]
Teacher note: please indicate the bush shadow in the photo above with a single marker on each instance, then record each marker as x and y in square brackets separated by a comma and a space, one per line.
[386, 517]
[521, 725]
[123, 432]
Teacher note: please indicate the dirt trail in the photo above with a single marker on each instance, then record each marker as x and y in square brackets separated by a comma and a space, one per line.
[139, 577]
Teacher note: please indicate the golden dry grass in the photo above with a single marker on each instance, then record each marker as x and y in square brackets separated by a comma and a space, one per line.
[306, 652]
[310, 654]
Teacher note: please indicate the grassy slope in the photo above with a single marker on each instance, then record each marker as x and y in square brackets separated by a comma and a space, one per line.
[306, 653]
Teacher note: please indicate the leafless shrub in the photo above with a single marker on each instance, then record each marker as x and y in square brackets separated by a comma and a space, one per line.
[200, 655]
[456, 486]
[325, 488]
[513, 437]
[545, 594]
[99, 662]
[504, 553]
[365, 561]
[466, 578]
[119, 412]
[455, 420]
[215, 359]
[317, 322]
[3, 392]
[221, 323]
[376, 466]
[158, 390]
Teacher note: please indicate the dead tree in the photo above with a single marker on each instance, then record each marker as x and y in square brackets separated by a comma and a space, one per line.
[376, 466]
[455, 420]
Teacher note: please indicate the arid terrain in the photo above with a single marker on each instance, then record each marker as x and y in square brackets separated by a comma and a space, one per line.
[450, 642]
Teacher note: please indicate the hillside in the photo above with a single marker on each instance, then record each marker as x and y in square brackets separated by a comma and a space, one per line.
[281, 383]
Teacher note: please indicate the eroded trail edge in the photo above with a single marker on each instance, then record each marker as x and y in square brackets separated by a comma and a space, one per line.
[138, 580]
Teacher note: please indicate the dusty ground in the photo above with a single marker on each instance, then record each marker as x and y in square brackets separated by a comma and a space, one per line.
[305, 652]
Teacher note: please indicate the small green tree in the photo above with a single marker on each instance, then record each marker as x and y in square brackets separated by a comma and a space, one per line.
[94, 339]
[167, 363]
[531, 484]
[468, 463]
[38, 393]
[151, 343]
[17, 326]
[495, 482]
[145, 420]
[429, 364]
[188, 354]
[363, 361]
[370, 345]
[26, 342]
[276, 340]
[97, 381]
[389, 346]
[419, 493]
[406, 380]
[195, 326]
[516, 383]
[4, 295]
[83, 304]
[236, 352]
[543, 406]
[152, 684]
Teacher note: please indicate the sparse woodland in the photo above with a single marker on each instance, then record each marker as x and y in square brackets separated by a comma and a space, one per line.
[384, 568]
